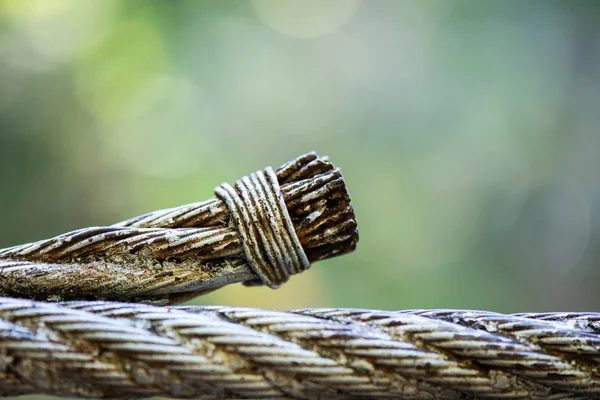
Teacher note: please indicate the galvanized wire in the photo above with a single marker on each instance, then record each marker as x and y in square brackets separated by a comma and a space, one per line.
[296, 215]
[120, 350]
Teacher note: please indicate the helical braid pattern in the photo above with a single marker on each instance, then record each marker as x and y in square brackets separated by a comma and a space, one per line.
[96, 349]
[273, 225]
[260, 215]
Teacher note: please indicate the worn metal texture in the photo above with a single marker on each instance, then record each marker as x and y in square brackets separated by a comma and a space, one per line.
[267, 227]
[271, 226]
[95, 349]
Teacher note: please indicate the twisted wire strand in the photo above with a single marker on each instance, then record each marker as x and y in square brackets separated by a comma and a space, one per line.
[259, 212]
[170, 255]
[96, 349]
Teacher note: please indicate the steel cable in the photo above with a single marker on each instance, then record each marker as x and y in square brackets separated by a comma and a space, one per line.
[271, 225]
[294, 216]
[98, 349]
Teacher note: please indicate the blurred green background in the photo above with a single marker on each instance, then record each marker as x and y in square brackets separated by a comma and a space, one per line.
[467, 132]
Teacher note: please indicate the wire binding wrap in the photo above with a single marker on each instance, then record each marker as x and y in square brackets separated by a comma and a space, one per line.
[96, 349]
[270, 243]
[170, 255]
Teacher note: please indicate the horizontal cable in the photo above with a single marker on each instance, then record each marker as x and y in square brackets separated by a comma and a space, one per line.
[104, 349]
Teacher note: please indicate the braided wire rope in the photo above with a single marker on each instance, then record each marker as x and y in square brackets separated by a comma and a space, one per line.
[267, 227]
[272, 225]
[96, 349]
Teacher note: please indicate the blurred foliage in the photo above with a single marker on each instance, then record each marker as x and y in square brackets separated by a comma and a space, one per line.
[467, 132]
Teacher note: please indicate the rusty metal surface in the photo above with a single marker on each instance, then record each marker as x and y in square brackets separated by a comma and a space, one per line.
[96, 349]
[302, 214]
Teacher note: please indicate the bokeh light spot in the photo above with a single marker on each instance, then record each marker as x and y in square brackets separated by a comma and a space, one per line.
[48, 33]
[115, 81]
[32, 10]
[304, 18]
[172, 139]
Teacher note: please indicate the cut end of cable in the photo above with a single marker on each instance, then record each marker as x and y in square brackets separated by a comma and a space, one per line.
[317, 221]
[319, 205]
